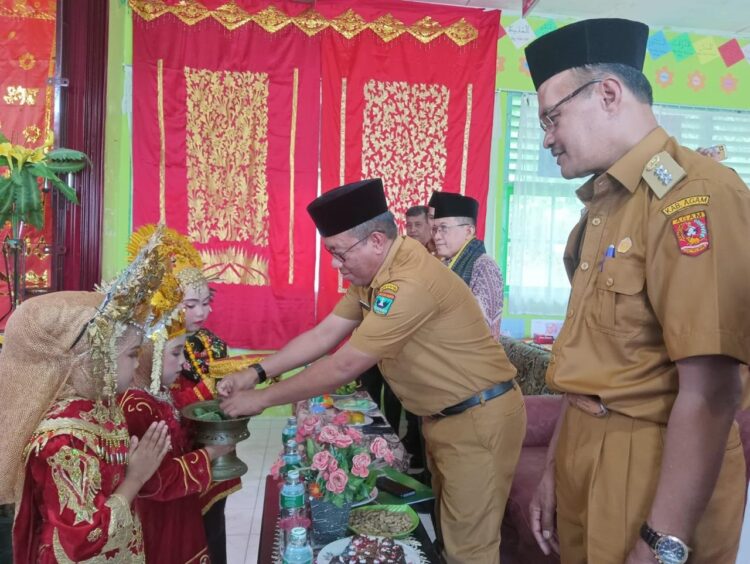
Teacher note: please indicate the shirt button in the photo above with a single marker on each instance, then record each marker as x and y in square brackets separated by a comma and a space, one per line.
[584, 266]
[596, 221]
[610, 281]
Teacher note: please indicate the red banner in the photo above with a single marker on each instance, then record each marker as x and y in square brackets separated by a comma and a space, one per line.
[416, 113]
[226, 130]
[27, 57]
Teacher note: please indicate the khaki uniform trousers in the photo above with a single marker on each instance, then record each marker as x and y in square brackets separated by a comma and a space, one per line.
[472, 457]
[606, 474]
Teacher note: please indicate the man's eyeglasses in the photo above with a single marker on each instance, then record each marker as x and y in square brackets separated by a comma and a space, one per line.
[547, 120]
[341, 257]
[443, 229]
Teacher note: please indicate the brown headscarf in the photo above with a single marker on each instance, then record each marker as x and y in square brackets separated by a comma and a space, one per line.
[36, 362]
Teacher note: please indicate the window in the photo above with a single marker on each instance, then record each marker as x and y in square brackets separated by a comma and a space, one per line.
[543, 208]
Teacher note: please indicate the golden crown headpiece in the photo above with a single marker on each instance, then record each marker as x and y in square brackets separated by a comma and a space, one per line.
[126, 301]
[167, 319]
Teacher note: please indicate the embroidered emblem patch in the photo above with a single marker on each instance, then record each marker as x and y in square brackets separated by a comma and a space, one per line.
[389, 287]
[691, 231]
[686, 203]
[383, 303]
[625, 245]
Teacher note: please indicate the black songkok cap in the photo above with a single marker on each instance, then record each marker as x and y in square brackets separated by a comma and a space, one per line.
[347, 206]
[456, 205]
[433, 198]
[588, 42]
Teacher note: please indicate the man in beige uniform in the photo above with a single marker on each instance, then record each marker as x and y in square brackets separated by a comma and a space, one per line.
[421, 324]
[646, 464]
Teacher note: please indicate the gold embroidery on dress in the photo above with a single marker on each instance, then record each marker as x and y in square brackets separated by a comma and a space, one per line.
[310, 22]
[233, 266]
[77, 479]
[227, 147]
[404, 140]
[94, 535]
[20, 96]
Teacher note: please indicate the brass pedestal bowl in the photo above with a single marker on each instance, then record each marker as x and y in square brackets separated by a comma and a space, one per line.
[224, 432]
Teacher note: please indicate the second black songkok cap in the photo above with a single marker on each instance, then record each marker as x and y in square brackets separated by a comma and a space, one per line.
[588, 42]
[347, 206]
[456, 205]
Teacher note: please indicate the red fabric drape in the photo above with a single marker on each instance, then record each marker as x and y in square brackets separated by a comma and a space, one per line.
[27, 57]
[226, 129]
[417, 115]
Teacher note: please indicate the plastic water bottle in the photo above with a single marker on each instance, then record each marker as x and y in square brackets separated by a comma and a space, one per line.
[290, 431]
[292, 459]
[292, 512]
[298, 551]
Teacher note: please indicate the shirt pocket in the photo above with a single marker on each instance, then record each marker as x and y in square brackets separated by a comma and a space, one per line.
[620, 306]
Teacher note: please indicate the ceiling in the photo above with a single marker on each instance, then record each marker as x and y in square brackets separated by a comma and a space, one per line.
[717, 17]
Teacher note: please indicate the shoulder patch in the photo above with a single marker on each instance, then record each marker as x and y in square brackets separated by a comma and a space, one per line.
[691, 231]
[686, 203]
[389, 287]
[383, 303]
[662, 173]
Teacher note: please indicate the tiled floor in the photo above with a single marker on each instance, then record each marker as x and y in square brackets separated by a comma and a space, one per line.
[244, 509]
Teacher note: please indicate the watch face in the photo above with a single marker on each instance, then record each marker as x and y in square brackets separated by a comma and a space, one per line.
[671, 550]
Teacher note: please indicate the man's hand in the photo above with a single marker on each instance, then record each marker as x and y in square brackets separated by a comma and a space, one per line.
[244, 380]
[543, 508]
[641, 554]
[241, 403]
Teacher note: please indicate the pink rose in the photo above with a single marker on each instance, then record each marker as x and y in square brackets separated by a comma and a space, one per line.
[388, 457]
[328, 434]
[341, 418]
[276, 467]
[343, 441]
[308, 426]
[379, 447]
[361, 459]
[354, 434]
[337, 482]
[361, 471]
[333, 464]
[321, 460]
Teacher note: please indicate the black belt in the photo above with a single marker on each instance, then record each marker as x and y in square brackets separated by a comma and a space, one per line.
[488, 394]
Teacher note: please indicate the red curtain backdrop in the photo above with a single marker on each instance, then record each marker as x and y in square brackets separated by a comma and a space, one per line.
[27, 60]
[226, 130]
[415, 112]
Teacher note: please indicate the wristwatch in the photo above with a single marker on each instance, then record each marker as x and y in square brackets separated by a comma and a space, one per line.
[668, 549]
[262, 377]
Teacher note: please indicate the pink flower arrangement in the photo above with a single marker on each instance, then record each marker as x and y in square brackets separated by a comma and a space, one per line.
[341, 465]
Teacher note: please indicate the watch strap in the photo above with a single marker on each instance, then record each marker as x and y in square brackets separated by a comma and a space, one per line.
[262, 376]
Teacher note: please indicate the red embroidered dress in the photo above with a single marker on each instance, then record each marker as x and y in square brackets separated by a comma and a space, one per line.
[169, 504]
[66, 513]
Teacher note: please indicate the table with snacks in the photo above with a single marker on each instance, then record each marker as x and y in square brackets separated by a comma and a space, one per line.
[381, 524]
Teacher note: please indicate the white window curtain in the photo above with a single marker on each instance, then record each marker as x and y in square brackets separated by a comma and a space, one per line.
[543, 207]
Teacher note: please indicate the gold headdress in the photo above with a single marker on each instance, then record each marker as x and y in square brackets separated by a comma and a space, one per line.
[185, 271]
[46, 339]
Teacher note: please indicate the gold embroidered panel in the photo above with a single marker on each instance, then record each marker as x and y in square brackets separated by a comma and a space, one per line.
[233, 266]
[227, 148]
[77, 479]
[271, 19]
[404, 139]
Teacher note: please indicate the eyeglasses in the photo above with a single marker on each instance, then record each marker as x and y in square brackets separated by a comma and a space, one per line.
[443, 229]
[341, 257]
[547, 120]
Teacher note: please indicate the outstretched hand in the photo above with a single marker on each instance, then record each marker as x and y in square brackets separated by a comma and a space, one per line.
[242, 403]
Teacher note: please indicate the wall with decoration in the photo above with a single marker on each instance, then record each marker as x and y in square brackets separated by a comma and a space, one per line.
[686, 69]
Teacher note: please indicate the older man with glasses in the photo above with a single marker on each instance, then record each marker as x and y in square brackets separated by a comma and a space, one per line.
[420, 323]
[646, 463]
[454, 231]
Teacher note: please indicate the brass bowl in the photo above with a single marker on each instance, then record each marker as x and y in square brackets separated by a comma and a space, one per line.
[222, 433]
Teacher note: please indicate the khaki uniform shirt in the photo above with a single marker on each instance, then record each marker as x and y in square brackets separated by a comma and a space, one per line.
[424, 324]
[676, 287]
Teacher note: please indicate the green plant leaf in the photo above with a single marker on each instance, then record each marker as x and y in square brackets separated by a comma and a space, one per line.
[6, 199]
[36, 218]
[67, 191]
[33, 192]
[4, 162]
[64, 167]
[63, 154]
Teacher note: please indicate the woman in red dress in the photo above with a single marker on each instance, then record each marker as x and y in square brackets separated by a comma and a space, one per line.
[69, 462]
